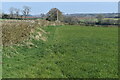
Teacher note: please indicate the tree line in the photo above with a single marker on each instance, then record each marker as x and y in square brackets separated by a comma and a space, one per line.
[14, 13]
[55, 14]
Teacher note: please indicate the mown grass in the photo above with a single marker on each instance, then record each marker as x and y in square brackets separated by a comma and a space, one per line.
[69, 52]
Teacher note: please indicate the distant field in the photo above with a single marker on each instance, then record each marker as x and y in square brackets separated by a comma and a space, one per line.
[69, 52]
[95, 19]
[110, 18]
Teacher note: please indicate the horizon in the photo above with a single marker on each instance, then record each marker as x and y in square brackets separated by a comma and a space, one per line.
[66, 7]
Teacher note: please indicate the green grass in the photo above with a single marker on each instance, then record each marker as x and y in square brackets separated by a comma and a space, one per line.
[69, 52]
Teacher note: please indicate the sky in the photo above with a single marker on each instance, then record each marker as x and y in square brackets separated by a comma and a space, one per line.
[59, 0]
[66, 7]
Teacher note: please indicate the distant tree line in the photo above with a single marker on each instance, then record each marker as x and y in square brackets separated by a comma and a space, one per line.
[98, 20]
[14, 13]
[56, 15]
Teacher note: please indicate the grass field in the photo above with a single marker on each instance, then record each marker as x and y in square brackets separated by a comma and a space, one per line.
[69, 52]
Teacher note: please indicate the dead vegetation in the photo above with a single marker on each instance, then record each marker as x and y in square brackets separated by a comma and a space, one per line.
[16, 31]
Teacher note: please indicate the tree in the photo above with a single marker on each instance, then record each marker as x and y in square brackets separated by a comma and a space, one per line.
[42, 15]
[5, 16]
[26, 11]
[71, 20]
[100, 18]
[17, 12]
[11, 12]
[54, 15]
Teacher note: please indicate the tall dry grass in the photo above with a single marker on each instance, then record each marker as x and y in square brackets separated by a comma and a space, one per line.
[15, 31]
